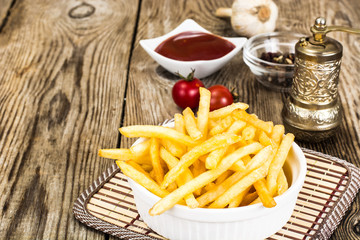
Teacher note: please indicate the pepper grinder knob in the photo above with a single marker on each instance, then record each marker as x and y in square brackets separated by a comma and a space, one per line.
[320, 23]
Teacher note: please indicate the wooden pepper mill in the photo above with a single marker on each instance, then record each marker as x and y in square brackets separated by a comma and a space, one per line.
[313, 111]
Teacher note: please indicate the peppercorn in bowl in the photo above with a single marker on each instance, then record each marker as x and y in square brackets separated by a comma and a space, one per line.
[270, 57]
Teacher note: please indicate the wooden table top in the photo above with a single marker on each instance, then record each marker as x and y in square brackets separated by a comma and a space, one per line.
[73, 72]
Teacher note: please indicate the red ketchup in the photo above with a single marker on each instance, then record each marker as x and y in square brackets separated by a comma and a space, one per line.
[193, 45]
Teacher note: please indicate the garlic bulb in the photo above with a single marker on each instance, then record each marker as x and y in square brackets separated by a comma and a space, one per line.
[251, 17]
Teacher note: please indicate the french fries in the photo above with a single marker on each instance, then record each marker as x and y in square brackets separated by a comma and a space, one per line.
[149, 131]
[222, 126]
[172, 161]
[225, 111]
[142, 179]
[226, 158]
[117, 153]
[203, 113]
[278, 162]
[215, 142]
[253, 120]
[155, 160]
[264, 194]
[190, 124]
[245, 182]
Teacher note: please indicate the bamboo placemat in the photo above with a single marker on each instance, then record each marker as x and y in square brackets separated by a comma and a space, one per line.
[330, 187]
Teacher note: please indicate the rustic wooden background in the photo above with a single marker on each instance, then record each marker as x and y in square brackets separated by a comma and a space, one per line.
[72, 72]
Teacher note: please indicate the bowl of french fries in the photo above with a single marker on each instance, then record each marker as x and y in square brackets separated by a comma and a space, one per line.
[224, 174]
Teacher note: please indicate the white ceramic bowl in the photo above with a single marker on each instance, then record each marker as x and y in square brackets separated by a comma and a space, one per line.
[202, 68]
[249, 222]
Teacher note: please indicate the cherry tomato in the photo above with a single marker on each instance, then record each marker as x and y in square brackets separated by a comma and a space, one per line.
[186, 92]
[220, 97]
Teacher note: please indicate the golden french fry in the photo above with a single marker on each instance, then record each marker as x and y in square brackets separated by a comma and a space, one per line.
[249, 133]
[203, 157]
[246, 160]
[191, 201]
[157, 132]
[219, 189]
[239, 166]
[282, 183]
[239, 187]
[249, 199]
[203, 112]
[209, 186]
[180, 127]
[169, 159]
[142, 179]
[224, 124]
[257, 161]
[190, 124]
[171, 199]
[152, 174]
[264, 194]
[218, 141]
[253, 120]
[141, 149]
[174, 148]
[179, 123]
[238, 199]
[137, 167]
[238, 154]
[265, 140]
[124, 155]
[278, 162]
[225, 111]
[277, 133]
[155, 160]
[147, 167]
[172, 161]
[236, 127]
[257, 200]
[198, 168]
[231, 149]
[171, 187]
[223, 176]
[212, 123]
[214, 157]
[116, 153]
[200, 181]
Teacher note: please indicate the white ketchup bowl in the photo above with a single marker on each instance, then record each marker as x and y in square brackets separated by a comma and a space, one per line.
[203, 68]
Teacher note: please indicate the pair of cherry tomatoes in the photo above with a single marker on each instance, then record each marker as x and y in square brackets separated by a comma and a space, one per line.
[186, 94]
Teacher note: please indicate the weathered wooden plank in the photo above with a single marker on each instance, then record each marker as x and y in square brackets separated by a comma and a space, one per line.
[63, 68]
[63, 71]
[5, 8]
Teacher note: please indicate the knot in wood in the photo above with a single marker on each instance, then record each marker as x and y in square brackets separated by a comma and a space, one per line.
[82, 11]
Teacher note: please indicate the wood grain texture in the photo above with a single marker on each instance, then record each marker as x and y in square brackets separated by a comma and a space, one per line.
[63, 69]
[5, 7]
[63, 78]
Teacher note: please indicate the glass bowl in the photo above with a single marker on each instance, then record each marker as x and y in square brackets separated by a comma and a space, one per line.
[276, 76]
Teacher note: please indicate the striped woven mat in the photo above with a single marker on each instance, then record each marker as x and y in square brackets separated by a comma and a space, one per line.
[330, 187]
